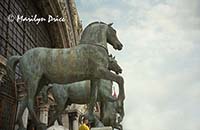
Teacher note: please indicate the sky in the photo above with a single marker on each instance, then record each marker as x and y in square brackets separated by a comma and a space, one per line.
[160, 59]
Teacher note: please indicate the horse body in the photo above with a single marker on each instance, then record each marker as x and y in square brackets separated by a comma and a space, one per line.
[78, 93]
[63, 65]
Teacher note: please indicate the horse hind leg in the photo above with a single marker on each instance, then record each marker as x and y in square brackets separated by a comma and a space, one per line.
[31, 93]
[22, 107]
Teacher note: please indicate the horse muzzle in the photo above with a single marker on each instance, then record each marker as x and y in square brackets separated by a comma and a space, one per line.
[119, 71]
[120, 46]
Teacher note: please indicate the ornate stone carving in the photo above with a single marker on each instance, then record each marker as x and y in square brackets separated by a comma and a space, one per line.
[2, 67]
[67, 34]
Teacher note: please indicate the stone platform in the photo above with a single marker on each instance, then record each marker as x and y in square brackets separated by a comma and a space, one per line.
[102, 128]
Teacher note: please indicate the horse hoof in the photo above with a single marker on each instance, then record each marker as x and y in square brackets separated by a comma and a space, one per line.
[41, 126]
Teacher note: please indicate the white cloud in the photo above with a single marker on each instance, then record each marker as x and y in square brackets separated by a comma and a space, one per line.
[102, 14]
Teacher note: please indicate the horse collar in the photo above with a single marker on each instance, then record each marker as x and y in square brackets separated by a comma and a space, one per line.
[96, 44]
[101, 46]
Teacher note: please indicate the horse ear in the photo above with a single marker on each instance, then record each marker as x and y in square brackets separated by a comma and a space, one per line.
[114, 57]
[110, 24]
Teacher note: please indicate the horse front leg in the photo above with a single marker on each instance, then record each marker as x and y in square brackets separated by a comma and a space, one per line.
[94, 84]
[104, 73]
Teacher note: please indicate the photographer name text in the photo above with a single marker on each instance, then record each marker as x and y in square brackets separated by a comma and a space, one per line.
[35, 18]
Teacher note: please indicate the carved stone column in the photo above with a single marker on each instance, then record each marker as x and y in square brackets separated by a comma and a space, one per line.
[2, 72]
[65, 120]
[43, 109]
[73, 116]
[75, 124]
[2, 67]
[21, 93]
[25, 114]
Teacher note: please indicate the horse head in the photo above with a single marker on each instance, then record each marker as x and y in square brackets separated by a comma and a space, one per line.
[112, 37]
[113, 65]
[100, 33]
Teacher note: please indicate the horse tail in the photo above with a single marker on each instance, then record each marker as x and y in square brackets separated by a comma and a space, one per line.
[10, 65]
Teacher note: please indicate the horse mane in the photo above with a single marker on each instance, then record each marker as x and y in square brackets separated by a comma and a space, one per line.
[96, 22]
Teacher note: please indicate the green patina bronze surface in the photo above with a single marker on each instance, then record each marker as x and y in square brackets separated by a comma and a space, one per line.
[77, 93]
[109, 114]
[87, 61]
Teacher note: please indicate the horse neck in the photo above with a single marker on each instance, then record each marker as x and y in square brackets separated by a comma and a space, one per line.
[96, 35]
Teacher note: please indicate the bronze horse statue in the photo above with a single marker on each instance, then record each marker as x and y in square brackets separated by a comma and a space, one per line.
[73, 93]
[87, 61]
[77, 93]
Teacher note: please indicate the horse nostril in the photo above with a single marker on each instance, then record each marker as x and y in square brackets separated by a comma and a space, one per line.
[120, 46]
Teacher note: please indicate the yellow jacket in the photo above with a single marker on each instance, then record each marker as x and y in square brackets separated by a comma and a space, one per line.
[84, 127]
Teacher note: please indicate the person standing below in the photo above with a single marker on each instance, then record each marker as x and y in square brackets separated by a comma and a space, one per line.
[84, 125]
